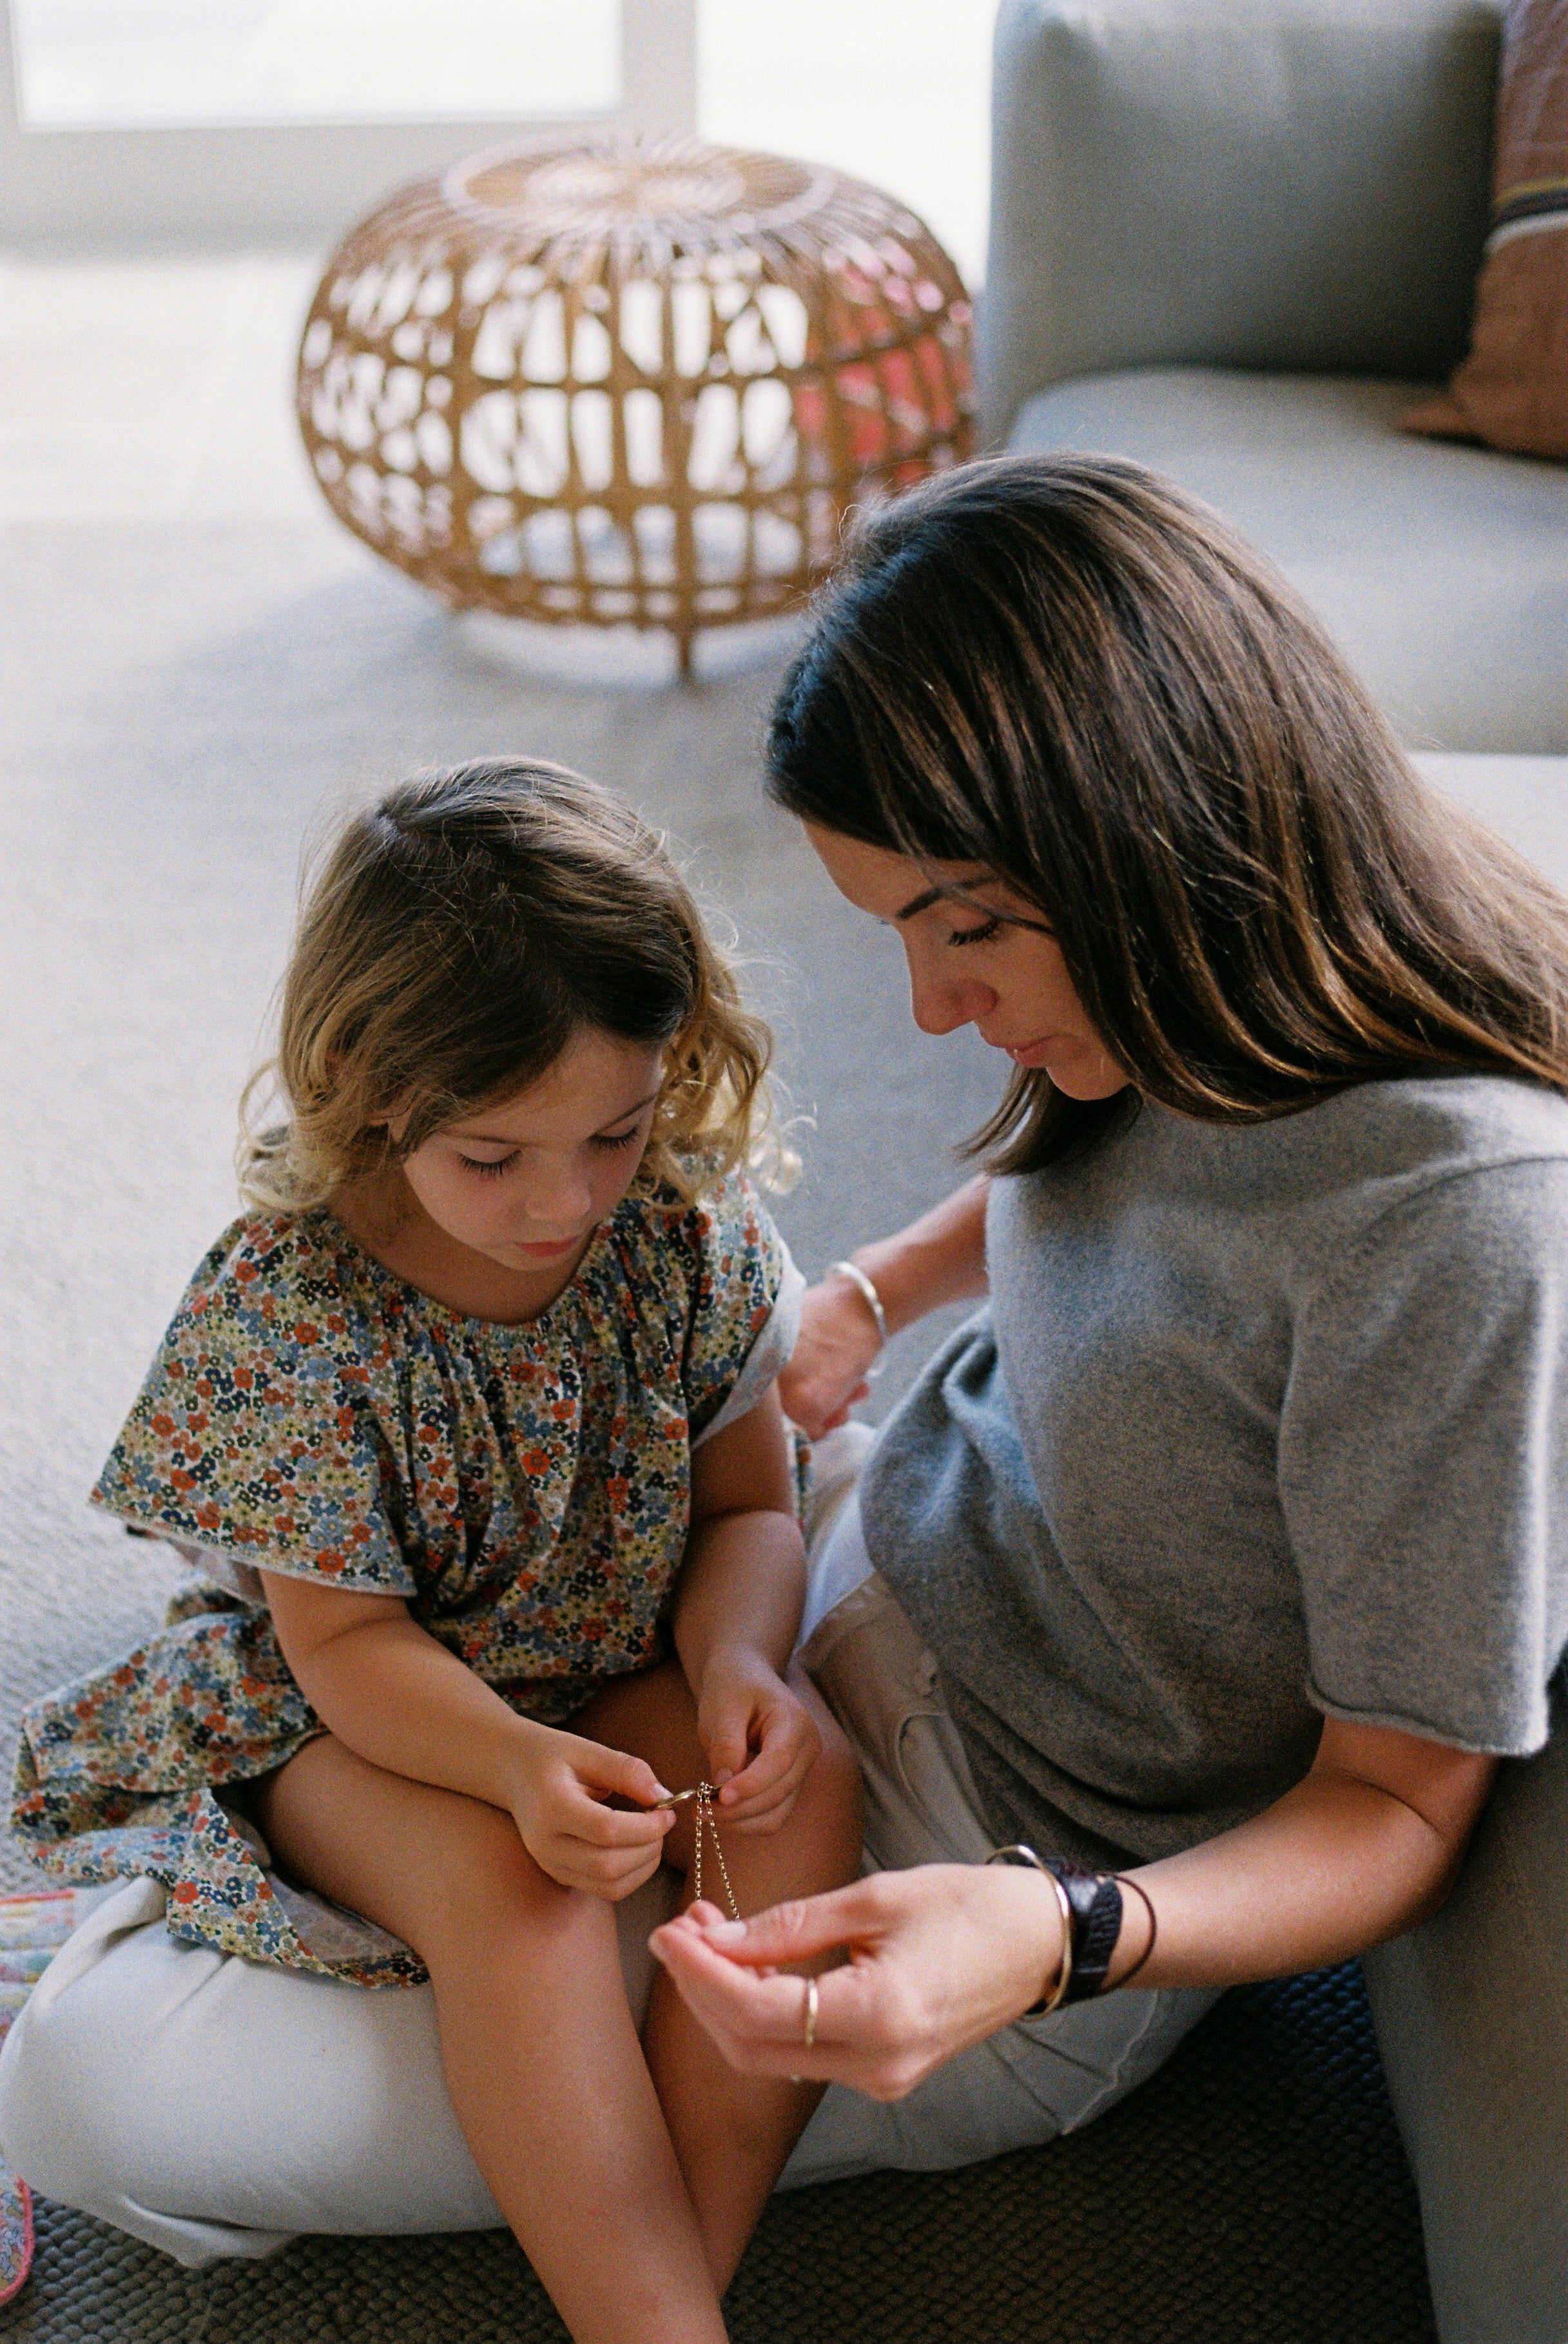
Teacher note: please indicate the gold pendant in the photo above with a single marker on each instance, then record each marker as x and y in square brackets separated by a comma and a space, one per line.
[707, 1821]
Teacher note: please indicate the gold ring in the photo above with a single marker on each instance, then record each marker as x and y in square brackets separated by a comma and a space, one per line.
[811, 2001]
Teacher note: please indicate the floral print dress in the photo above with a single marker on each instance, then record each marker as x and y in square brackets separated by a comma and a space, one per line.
[525, 1488]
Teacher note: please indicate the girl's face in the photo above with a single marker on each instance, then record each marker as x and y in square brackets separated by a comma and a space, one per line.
[526, 1183]
[970, 965]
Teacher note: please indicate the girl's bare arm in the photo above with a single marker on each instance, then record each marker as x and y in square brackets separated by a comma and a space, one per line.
[391, 1693]
[737, 1610]
[395, 1697]
[744, 1581]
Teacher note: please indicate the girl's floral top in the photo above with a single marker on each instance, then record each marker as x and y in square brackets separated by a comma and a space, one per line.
[526, 1488]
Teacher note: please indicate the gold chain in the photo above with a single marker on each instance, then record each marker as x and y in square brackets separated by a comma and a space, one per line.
[708, 1821]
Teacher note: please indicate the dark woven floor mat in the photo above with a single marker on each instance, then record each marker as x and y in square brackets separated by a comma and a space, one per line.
[1253, 2193]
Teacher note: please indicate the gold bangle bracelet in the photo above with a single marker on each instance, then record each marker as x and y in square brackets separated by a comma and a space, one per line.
[873, 1301]
[1017, 1853]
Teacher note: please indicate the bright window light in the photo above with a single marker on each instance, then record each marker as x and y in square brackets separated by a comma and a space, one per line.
[124, 63]
[895, 91]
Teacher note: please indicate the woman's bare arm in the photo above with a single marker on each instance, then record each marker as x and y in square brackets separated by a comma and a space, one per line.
[1364, 1847]
[939, 1258]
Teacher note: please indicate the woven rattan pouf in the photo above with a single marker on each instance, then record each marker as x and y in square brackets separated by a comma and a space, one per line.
[631, 384]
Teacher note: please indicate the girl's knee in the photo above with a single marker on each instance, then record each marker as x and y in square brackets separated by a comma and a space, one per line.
[832, 1794]
[485, 1890]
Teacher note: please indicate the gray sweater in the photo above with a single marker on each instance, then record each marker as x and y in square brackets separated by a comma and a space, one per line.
[1262, 1423]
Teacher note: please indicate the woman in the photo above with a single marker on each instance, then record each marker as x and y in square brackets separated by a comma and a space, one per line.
[1227, 1551]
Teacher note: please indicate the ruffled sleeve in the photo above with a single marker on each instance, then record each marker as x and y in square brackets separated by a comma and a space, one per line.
[745, 1308]
[255, 1434]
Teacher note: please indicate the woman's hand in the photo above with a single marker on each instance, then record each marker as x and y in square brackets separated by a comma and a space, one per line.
[939, 1258]
[838, 1341]
[759, 1742]
[558, 1803]
[939, 1957]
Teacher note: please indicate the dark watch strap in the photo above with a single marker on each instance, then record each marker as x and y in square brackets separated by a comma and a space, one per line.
[1092, 1910]
[1095, 1900]
[1093, 1918]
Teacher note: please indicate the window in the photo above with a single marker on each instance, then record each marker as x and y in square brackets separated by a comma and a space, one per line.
[96, 64]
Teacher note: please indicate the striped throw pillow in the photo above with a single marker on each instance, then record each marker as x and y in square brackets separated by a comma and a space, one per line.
[1512, 391]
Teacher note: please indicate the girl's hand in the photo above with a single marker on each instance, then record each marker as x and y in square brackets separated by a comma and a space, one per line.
[559, 1807]
[939, 1957]
[759, 1742]
[838, 1341]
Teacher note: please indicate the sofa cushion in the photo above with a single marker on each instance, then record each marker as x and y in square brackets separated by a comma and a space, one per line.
[1300, 184]
[1441, 571]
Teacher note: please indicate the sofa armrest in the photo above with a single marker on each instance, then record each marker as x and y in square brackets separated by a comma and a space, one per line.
[1298, 185]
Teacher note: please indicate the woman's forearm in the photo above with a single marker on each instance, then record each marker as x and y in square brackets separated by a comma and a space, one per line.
[939, 1258]
[945, 1954]
[395, 1697]
[1337, 1865]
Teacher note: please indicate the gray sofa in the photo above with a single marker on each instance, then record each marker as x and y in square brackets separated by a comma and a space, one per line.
[1235, 239]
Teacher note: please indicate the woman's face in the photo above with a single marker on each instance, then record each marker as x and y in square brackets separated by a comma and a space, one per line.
[969, 965]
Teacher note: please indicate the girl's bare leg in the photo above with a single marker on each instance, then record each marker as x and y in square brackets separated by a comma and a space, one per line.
[732, 2132]
[542, 2061]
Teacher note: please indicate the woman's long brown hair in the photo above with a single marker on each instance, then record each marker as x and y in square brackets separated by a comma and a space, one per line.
[1064, 669]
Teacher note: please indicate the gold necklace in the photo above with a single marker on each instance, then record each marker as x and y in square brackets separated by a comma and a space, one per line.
[708, 1821]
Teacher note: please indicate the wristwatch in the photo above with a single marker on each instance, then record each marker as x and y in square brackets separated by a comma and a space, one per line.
[1092, 1923]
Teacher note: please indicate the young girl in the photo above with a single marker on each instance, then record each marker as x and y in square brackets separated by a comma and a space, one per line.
[472, 1418]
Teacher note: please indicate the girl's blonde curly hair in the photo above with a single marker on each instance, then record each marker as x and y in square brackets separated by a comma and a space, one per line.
[452, 939]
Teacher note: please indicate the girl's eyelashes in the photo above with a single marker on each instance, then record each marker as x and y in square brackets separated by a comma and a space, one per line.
[980, 936]
[492, 1171]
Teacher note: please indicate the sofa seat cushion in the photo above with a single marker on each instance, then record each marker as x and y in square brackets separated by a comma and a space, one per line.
[1441, 571]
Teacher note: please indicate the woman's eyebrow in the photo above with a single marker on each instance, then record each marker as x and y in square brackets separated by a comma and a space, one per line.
[962, 895]
[922, 903]
[961, 890]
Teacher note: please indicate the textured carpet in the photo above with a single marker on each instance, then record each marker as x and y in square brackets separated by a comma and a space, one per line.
[1252, 2193]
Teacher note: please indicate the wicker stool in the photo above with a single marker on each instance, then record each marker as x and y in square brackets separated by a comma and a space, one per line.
[631, 384]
